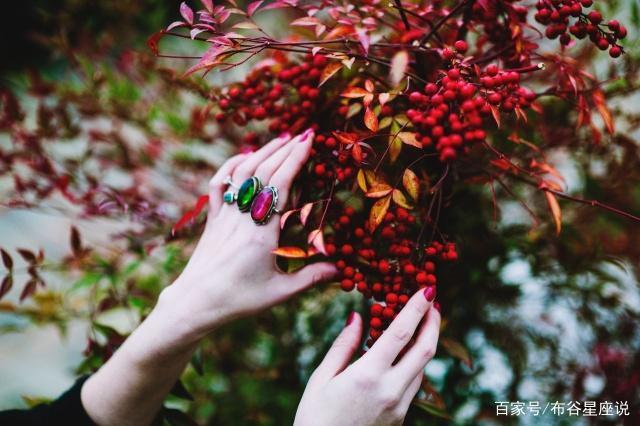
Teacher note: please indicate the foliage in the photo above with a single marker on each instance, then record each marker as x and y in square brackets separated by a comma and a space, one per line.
[436, 122]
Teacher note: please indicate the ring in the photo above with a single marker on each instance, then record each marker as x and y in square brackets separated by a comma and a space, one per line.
[228, 181]
[247, 192]
[264, 205]
[229, 197]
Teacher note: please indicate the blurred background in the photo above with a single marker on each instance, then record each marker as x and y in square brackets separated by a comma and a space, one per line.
[530, 316]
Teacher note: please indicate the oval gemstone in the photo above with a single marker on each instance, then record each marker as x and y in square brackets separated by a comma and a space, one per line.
[263, 204]
[246, 192]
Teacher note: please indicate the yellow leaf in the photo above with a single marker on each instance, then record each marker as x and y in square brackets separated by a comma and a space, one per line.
[410, 139]
[379, 190]
[555, 210]
[411, 183]
[362, 180]
[378, 211]
[400, 199]
[399, 64]
[371, 120]
[354, 92]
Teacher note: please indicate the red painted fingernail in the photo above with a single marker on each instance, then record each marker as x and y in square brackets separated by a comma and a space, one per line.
[430, 293]
[306, 134]
[437, 306]
[350, 318]
[285, 136]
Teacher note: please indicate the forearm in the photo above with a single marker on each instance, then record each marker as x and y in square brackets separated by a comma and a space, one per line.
[130, 388]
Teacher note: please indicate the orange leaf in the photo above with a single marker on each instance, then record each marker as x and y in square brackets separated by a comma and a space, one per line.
[400, 199]
[370, 120]
[290, 252]
[411, 184]
[329, 71]
[346, 138]
[601, 105]
[378, 211]
[555, 210]
[354, 92]
[379, 190]
[356, 152]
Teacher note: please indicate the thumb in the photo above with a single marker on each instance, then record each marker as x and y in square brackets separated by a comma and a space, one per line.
[309, 275]
[341, 351]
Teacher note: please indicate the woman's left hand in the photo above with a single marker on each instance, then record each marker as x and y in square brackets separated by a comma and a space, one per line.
[232, 272]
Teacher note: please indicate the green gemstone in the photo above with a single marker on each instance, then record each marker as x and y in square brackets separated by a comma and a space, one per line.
[247, 192]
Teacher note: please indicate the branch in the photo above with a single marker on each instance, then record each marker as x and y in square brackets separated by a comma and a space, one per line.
[442, 21]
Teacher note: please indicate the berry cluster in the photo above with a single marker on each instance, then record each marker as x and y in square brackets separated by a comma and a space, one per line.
[450, 112]
[556, 14]
[386, 266]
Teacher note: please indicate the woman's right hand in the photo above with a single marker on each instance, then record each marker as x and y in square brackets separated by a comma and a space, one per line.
[375, 389]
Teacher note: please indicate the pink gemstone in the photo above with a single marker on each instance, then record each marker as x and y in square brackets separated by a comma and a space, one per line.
[262, 205]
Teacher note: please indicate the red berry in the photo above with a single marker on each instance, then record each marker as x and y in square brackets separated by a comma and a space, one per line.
[376, 310]
[461, 46]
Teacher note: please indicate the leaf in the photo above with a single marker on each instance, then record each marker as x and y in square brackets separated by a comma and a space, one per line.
[290, 252]
[153, 40]
[285, 216]
[410, 139]
[354, 93]
[383, 98]
[176, 24]
[364, 39]
[456, 350]
[370, 119]
[27, 255]
[362, 180]
[552, 201]
[75, 241]
[304, 212]
[317, 239]
[306, 21]
[6, 285]
[345, 137]
[605, 113]
[28, 289]
[208, 4]
[400, 199]
[399, 64]
[253, 6]
[329, 70]
[378, 211]
[496, 114]
[379, 190]
[411, 183]
[356, 152]
[6, 259]
[431, 408]
[191, 214]
[186, 13]
[181, 391]
[245, 25]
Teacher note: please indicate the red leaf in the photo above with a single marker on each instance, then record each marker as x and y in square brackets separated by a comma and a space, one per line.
[191, 214]
[7, 283]
[555, 210]
[346, 138]
[356, 152]
[496, 114]
[27, 255]
[354, 92]
[153, 40]
[6, 259]
[186, 13]
[290, 252]
[28, 289]
[605, 113]
[253, 6]
[317, 239]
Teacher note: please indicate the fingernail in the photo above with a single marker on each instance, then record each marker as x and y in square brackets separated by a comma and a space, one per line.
[437, 306]
[304, 137]
[430, 293]
[284, 136]
[350, 318]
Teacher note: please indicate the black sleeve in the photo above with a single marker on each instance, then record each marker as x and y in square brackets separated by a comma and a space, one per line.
[66, 410]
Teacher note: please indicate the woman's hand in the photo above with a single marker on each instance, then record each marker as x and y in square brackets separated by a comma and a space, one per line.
[232, 272]
[375, 389]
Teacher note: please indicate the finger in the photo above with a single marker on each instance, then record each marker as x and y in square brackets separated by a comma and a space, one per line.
[217, 186]
[396, 337]
[289, 169]
[410, 392]
[268, 167]
[341, 352]
[248, 167]
[306, 277]
[422, 350]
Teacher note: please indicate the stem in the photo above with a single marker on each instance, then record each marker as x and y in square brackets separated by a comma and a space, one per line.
[403, 15]
[442, 21]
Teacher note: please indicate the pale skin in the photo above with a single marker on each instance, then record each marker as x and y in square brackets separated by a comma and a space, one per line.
[217, 287]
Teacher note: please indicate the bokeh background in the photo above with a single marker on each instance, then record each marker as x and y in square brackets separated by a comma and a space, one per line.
[530, 316]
